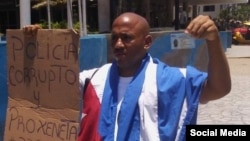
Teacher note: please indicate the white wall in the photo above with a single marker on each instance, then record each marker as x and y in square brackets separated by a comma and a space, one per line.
[216, 12]
[213, 14]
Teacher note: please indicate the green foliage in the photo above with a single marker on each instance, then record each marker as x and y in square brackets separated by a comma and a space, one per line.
[63, 25]
[54, 25]
[241, 13]
[76, 26]
[59, 25]
[43, 24]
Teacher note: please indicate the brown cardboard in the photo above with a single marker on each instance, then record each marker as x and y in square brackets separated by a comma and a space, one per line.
[43, 86]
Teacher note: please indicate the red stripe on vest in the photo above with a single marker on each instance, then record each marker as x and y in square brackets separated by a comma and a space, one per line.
[91, 109]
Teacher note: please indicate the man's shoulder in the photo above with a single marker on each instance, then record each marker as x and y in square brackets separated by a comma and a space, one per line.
[164, 66]
[187, 71]
[89, 72]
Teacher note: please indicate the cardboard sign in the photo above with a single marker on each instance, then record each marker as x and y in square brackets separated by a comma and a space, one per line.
[43, 86]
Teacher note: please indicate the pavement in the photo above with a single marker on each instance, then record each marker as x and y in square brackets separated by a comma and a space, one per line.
[234, 108]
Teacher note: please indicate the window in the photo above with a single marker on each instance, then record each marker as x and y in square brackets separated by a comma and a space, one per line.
[208, 8]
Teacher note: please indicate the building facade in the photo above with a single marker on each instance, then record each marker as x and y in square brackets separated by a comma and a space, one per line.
[9, 15]
[100, 13]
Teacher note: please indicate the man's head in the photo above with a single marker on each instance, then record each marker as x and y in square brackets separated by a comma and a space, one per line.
[130, 41]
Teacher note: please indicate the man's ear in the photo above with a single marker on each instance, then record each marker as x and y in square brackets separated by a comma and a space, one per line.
[148, 42]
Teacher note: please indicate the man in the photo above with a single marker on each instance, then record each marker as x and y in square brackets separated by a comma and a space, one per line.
[137, 97]
[183, 19]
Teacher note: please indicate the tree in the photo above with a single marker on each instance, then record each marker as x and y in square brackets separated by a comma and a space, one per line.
[241, 13]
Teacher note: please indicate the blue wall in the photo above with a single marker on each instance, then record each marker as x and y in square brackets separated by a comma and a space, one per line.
[197, 57]
[3, 87]
[95, 51]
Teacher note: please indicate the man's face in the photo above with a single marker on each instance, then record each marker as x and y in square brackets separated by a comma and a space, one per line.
[127, 42]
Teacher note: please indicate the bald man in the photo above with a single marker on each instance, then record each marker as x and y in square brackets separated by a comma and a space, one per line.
[137, 97]
[142, 98]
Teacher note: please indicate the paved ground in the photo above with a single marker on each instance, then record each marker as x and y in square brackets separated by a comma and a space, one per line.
[235, 107]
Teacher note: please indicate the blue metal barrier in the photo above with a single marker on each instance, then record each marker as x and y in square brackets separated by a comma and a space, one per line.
[93, 51]
[3, 87]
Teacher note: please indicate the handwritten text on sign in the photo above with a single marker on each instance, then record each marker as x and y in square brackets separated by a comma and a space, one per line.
[43, 85]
